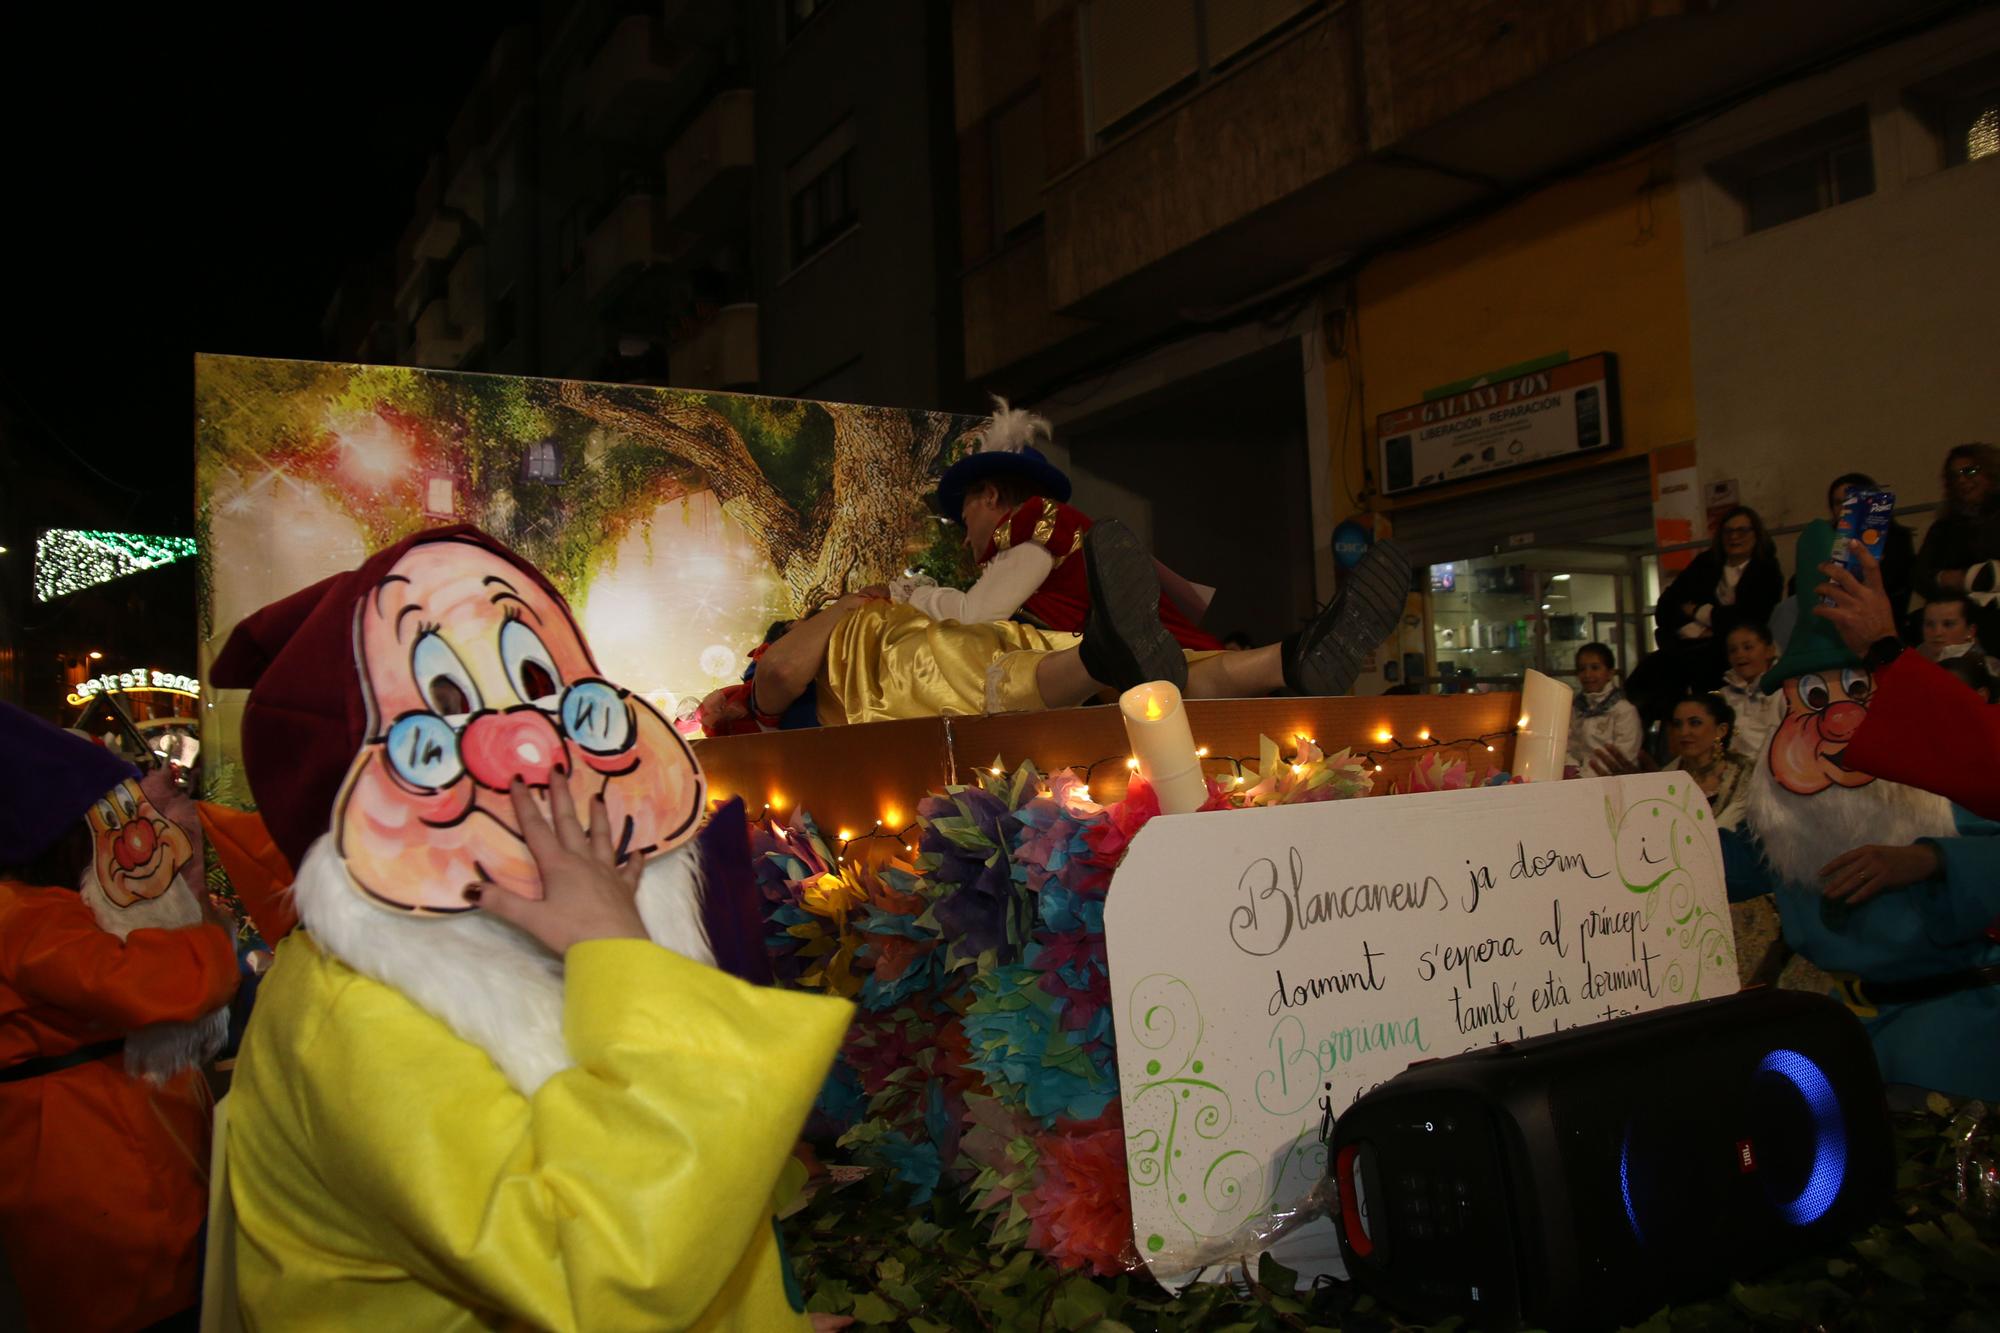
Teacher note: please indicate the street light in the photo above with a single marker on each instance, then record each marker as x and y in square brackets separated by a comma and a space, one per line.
[96, 656]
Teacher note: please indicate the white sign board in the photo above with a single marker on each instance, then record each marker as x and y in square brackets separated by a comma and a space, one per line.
[1488, 427]
[1269, 965]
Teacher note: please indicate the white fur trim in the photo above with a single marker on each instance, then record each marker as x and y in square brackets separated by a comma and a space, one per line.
[1012, 429]
[1801, 834]
[159, 1051]
[490, 983]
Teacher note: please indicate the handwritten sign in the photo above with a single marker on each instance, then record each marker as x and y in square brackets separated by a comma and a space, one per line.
[1269, 966]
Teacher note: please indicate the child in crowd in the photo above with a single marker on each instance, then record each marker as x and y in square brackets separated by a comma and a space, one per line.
[1751, 653]
[1601, 717]
[1949, 633]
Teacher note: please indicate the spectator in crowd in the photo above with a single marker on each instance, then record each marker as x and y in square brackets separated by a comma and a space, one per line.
[1948, 631]
[1601, 718]
[1752, 650]
[1922, 727]
[1736, 581]
[1699, 734]
[1966, 534]
[1976, 672]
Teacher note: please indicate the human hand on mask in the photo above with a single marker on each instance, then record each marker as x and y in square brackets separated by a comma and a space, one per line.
[827, 1323]
[1856, 876]
[1860, 610]
[586, 894]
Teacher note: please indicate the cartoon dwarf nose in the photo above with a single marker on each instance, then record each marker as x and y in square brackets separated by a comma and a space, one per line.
[134, 844]
[1840, 721]
[520, 743]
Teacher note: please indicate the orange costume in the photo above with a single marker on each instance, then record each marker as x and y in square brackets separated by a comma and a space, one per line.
[103, 1176]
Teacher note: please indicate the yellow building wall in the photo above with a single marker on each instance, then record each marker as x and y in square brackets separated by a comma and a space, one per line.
[1590, 264]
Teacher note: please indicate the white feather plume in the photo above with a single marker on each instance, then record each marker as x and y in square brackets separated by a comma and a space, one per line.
[1012, 429]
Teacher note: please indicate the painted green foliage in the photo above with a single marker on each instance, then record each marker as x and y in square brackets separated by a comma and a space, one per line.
[831, 492]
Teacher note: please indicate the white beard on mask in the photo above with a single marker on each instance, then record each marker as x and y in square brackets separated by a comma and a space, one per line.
[491, 983]
[1802, 833]
[159, 1051]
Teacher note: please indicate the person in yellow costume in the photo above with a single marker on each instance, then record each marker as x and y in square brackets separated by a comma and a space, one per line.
[494, 1080]
[869, 659]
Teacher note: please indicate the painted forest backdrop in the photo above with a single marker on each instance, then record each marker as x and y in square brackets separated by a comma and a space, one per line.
[679, 524]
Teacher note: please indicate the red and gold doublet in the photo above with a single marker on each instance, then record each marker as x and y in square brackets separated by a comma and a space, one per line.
[1063, 600]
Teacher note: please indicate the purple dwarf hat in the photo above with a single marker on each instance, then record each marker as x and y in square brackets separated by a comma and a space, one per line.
[47, 780]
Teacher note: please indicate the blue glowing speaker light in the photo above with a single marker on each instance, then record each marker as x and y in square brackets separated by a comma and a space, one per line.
[1829, 1166]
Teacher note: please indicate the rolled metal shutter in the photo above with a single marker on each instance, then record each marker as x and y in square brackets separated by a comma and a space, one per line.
[1591, 505]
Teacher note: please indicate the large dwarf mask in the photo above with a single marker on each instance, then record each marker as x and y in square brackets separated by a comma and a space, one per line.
[1826, 688]
[476, 676]
[136, 851]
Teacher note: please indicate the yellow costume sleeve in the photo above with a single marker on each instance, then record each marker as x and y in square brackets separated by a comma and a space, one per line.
[632, 1191]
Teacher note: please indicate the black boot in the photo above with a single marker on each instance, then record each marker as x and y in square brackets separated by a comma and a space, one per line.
[1124, 643]
[1326, 657]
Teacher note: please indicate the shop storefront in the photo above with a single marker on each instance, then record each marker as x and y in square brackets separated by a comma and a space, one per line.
[157, 709]
[1523, 575]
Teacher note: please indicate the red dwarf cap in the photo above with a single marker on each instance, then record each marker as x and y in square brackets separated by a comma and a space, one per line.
[307, 717]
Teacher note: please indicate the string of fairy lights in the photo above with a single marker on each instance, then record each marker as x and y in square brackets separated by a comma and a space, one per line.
[1386, 745]
[69, 560]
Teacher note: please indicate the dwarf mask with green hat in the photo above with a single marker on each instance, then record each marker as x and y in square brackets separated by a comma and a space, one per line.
[1826, 687]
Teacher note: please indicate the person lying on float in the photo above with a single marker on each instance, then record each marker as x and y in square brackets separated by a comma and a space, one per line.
[494, 1078]
[872, 659]
[1884, 885]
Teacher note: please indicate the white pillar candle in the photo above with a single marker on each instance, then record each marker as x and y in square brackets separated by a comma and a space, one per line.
[1157, 726]
[1542, 746]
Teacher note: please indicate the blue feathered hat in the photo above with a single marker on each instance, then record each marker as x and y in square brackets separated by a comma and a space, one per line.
[1003, 446]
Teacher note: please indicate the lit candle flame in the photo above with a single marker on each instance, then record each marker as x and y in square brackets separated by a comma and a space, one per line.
[1153, 710]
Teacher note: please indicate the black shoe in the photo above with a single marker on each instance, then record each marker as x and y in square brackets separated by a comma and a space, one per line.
[1328, 655]
[1124, 643]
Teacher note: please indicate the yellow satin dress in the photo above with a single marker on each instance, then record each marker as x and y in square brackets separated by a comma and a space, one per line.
[384, 1175]
[888, 660]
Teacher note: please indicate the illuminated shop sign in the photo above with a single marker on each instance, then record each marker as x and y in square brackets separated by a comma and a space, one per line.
[132, 682]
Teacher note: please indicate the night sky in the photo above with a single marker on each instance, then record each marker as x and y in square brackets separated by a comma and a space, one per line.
[202, 185]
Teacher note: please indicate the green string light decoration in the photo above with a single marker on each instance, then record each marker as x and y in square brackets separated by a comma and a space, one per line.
[69, 560]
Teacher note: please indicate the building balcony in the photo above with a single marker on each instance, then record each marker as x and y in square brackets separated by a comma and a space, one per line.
[637, 81]
[438, 235]
[1006, 309]
[438, 342]
[709, 166]
[465, 291]
[722, 354]
[630, 241]
[1376, 119]
[693, 20]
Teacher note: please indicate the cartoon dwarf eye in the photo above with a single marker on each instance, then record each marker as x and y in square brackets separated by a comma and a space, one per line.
[423, 749]
[106, 815]
[595, 716]
[1856, 682]
[122, 798]
[1813, 691]
[531, 668]
[443, 680]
